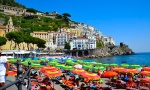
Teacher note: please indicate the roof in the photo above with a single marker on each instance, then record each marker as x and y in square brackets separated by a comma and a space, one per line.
[40, 32]
[81, 38]
[2, 27]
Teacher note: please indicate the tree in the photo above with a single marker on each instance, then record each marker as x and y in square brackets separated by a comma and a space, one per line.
[65, 17]
[121, 44]
[31, 10]
[67, 46]
[99, 44]
[2, 41]
[41, 43]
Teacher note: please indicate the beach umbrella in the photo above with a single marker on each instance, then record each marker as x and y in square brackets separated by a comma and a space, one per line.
[68, 68]
[90, 76]
[113, 65]
[146, 68]
[12, 73]
[59, 65]
[134, 66]
[36, 66]
[87, 63]
[12, 61]
[98, 68]
[78, 71]
[79, 66]
[105, 65]
[25, 63]
[133, 71]
[53, 74]
[146, 80]
[145, 73]
[55, 60]
[79, 61]
[125, 65]
[109, 74]
[52, 63]
[97, 64]
[48, 68]
[68, 60]
[118, 69]
[87, 66]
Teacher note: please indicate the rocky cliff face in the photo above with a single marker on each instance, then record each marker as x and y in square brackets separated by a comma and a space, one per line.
[111, 51]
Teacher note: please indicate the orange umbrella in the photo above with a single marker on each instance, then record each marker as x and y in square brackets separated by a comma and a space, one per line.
[12, 73]
[147, 80]
[145, 73]
[146, 68]
[118, 69]
[48, 69]
[53, 74]
[133, 71]
[90, 76]
[109, 74]
[78, 71]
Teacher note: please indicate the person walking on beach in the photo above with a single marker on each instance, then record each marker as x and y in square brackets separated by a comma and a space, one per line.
[4, 66]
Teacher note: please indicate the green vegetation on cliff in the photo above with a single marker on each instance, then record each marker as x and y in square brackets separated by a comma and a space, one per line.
[11, 3]
[34, 22]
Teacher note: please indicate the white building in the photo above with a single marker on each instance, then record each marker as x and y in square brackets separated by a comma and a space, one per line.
[60, 38]
[82, 43]
[106, 40]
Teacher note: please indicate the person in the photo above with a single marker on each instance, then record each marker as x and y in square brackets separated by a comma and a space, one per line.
[4, 66]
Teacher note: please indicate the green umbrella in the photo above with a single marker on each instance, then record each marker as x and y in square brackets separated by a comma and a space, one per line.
[79, 61]
[25, 63]
[55, 60]
[125, 65]
[52, 63]
[113, 65]
[105, 65]
[12, 61]
[36, 65]
[71, 63]
[97, 64]
[87, 66]
[96, 68]
[87, 63]
[68, 68]
[59, 65]
[134, 66]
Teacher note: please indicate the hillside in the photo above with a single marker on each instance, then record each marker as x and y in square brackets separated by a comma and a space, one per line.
[11, 3]
[34, 22]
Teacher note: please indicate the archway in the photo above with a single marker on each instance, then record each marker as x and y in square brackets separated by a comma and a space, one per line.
[73, 53]
[80, 54]
[86, 53]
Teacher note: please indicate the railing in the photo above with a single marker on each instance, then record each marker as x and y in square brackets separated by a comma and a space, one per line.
[20, 77]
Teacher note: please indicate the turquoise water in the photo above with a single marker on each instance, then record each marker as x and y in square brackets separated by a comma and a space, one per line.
[137, 58]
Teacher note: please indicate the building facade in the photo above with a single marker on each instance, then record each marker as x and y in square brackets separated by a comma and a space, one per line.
[60, 39]
[12, 10]
[48, 37]
[107, 40]
[82, 43]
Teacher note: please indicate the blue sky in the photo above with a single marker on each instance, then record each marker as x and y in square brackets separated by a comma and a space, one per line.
[126, 21]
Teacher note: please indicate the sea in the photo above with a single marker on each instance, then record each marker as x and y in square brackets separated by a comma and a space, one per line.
[138, 58]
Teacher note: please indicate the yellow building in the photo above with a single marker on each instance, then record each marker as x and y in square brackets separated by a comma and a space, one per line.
[11, 45]
[77, 32]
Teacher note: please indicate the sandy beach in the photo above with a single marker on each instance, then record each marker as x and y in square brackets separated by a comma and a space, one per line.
[56, 86]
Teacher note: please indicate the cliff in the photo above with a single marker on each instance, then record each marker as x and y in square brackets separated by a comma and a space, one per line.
[111, 51]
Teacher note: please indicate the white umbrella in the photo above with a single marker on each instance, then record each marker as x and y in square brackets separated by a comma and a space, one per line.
[79, 66]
